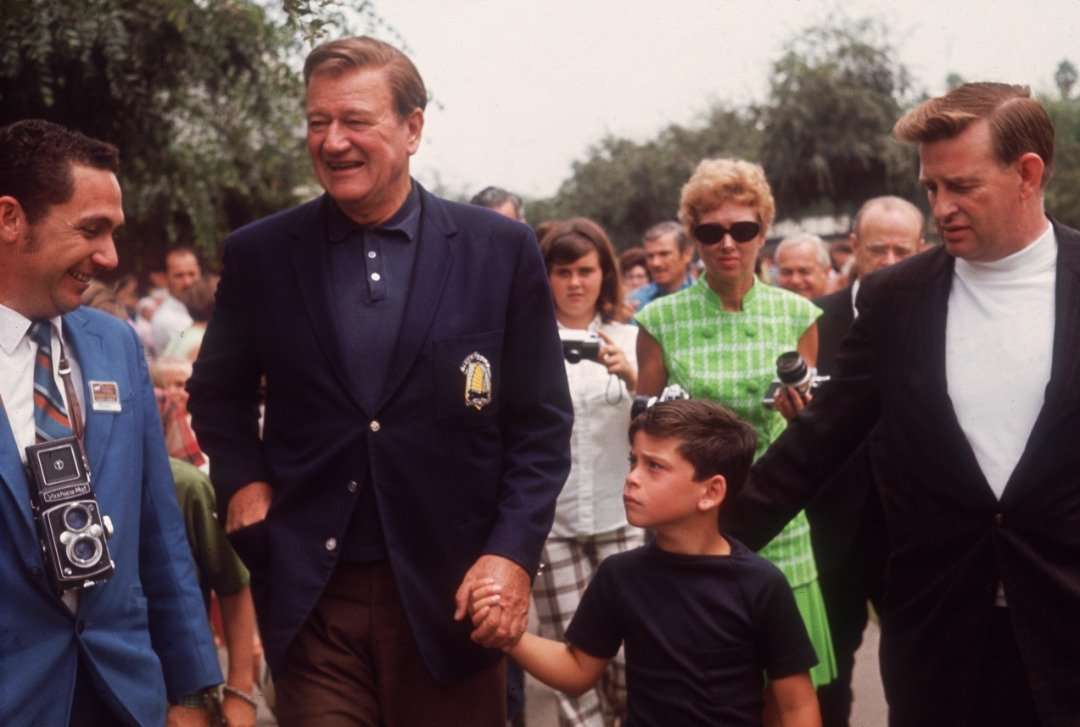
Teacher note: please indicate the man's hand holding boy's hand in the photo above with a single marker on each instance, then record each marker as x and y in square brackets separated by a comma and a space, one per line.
[499, 622]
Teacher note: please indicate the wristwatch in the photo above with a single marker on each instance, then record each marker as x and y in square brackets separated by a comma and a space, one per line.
[249, 697]
[196, 700]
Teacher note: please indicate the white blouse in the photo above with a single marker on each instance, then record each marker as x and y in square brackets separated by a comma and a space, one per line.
[591, 501]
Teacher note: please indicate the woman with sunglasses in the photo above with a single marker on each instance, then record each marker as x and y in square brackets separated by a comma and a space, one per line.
[590, 521]
[719, 340]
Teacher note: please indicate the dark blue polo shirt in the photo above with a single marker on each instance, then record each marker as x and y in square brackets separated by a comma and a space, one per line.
[370, 273]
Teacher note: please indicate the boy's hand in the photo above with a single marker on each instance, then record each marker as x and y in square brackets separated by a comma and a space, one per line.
[485, 594]
[504, 622]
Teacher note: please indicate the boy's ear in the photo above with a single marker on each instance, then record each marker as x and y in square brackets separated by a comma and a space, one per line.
[715, 493]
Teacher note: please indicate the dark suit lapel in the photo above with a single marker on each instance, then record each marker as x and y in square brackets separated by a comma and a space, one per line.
[94, 366]
[310, 260]
[927, 379]
[1063, 390]
[431, 269]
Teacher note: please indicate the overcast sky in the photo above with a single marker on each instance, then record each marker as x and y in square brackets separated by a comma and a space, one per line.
[523, 87]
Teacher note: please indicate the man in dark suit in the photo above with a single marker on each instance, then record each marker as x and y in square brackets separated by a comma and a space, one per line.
[417, 421]
[846, 525]
[119, 651]
[965, 359]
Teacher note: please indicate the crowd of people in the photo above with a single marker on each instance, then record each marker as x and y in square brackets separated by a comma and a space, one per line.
[356, 457]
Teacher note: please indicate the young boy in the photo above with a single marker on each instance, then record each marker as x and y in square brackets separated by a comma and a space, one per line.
[704, 620]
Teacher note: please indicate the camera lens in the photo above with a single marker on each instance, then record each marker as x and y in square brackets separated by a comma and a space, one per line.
[76, 517]
[84, 551]
[791, 368]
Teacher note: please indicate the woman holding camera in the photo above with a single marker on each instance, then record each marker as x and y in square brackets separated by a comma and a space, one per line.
[719, 339]
[590, 521]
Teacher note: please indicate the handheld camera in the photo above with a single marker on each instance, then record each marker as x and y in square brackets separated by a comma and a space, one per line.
[71, 528]
[791, 370]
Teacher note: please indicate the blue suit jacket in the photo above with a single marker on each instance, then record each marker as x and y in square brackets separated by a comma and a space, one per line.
[143, 632]
[451, 482]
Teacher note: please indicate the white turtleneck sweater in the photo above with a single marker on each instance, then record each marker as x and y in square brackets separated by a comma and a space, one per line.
[999, 338]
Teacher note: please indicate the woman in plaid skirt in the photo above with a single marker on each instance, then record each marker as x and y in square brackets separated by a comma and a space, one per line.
[590, 522]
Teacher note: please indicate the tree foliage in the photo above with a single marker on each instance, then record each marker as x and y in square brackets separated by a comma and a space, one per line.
[1065, 77]
[200, 97]
[823, 136]
[835, 93]
[627, 186]
[1063, 190]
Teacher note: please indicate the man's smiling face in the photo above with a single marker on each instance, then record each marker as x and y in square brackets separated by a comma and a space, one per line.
[359, 146]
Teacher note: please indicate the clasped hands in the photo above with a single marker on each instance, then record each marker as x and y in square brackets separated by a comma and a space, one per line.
[494, 594]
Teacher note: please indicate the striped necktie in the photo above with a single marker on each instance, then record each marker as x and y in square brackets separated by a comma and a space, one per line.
[50, 417]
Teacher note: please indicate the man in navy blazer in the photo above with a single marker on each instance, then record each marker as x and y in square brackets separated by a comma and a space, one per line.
[116, 653]
[417, 420]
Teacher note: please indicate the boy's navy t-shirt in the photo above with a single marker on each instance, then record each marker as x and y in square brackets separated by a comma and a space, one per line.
[701, 633]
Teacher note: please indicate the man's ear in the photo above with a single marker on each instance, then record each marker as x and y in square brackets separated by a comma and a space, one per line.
[13, 222]
[1031, 168]
[715, 493]
[414, 122]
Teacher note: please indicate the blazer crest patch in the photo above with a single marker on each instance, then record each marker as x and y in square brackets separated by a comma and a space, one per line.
[477, 370]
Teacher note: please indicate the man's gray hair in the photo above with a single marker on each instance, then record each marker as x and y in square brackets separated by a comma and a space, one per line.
[821, 250]
[495, 197]
[668, 227]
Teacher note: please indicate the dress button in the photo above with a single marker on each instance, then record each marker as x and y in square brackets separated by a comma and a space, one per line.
[749, 332]
[999, 519]
[331, 544]
[352, 487]
[371, 255]
[376, 277]
[374, 426]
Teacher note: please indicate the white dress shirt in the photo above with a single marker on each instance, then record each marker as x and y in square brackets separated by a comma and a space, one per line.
[17, 354]
[591, 501]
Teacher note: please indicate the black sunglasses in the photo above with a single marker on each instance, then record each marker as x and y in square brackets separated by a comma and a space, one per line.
[712, 233]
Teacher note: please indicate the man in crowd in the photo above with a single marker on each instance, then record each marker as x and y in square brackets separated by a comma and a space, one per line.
[668, 253]
[113, 653]
[498, 199]
[417, 417]
[802, 264]
[846, 524]
[171, 317]
[964, 359]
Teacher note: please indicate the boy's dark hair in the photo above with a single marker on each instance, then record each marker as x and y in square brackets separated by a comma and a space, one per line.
[711, 438]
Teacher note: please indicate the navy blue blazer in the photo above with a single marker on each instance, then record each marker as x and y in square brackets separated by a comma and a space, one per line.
[451, 481]
[144, 632]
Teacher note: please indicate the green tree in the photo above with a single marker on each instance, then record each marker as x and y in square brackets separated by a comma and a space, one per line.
[627, 186]
[1065, 77]
[1063, 190]
[202, 99]
[835, 93]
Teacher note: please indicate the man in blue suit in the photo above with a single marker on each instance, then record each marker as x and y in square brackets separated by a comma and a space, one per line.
[119, 652]
[417, 420]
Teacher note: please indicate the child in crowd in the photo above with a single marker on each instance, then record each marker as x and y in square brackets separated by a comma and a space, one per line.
[712, 633]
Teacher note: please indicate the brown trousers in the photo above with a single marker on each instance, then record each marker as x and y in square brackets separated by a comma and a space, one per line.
[355, 663]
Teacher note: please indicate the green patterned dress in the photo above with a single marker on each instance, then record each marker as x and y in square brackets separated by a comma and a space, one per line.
[730, 358]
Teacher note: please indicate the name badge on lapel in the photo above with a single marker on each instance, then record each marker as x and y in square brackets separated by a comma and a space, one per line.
[104, 396]
[477, 370]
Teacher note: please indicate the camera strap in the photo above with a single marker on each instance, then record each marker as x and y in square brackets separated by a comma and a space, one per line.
[74, 411]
